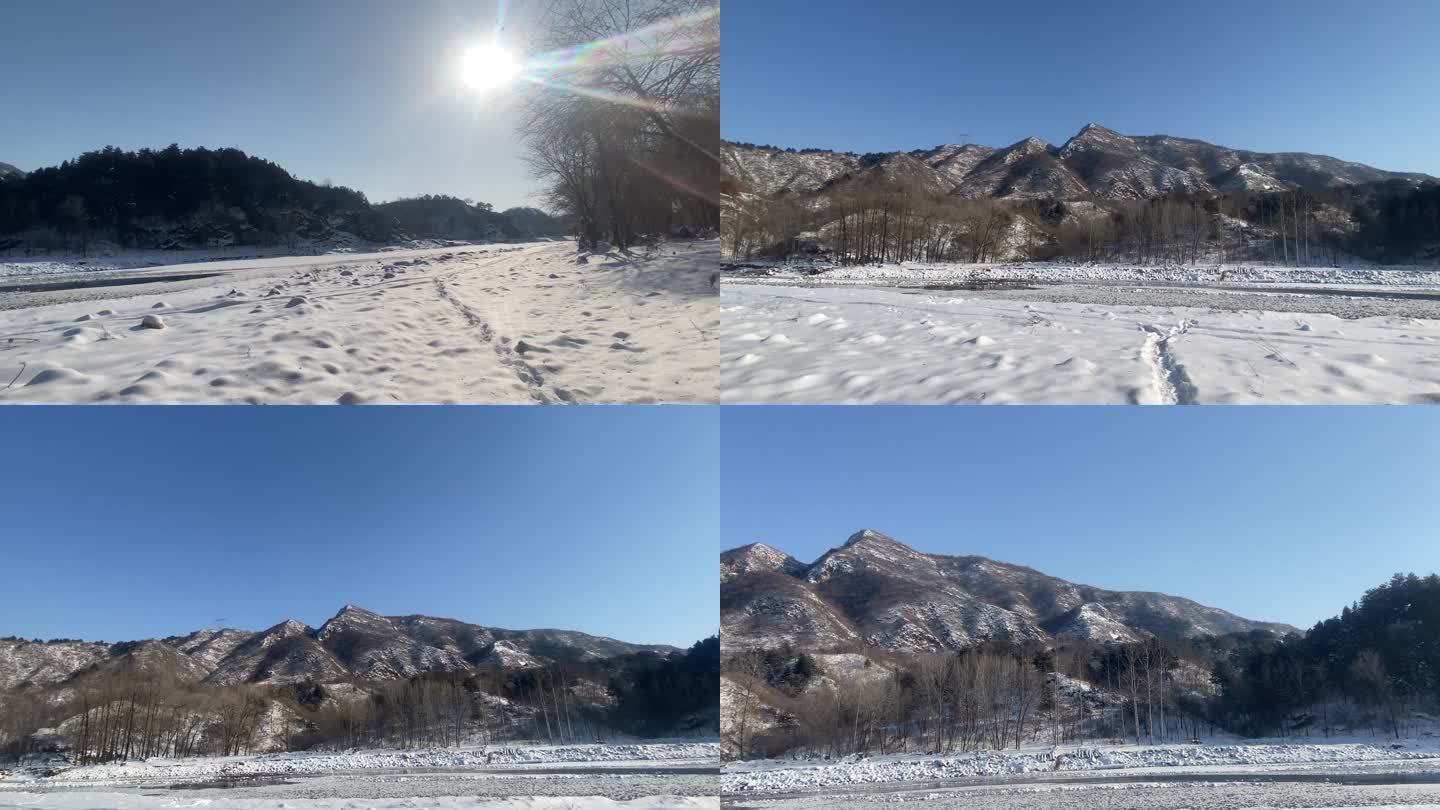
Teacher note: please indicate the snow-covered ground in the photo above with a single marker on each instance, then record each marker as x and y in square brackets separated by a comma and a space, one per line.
[771, 776]
[1224, 776]
[546, 777]
[1217, 795]
[1084, 335]
[306, 762]
[191, 798]
[103, 256]
[1056, 272]
[486, 323]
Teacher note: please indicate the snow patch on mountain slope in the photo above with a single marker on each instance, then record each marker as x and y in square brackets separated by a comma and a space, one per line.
[23, 661]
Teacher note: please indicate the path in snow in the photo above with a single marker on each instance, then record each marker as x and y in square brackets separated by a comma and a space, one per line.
[492, 324]
[1173, 385]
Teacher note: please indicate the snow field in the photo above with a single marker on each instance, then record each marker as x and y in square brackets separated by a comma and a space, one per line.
[785, 344]
[132, 801]
[1049, 272]
[495, 324]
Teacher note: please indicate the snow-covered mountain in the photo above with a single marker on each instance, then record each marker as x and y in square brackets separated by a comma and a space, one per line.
[7, 171]
[1096, 162]
[877, 591]
[355, 644]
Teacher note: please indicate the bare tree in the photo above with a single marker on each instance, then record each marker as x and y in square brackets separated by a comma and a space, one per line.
[628, 138]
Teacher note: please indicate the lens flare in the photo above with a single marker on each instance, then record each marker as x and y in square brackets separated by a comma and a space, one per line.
[488, 66]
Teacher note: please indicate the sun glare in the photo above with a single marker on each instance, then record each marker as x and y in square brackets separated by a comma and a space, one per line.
[489, 66]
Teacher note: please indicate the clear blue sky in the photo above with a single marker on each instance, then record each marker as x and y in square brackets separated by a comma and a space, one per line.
[1280, 514]
[366, 93]
[123, 523]
[1350, 79]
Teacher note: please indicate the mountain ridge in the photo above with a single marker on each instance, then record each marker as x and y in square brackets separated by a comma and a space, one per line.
[353, 644]
[1095, 162]
[879, 592]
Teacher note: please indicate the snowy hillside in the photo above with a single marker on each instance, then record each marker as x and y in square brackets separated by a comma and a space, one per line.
[1096, 162]
[876, 589]
[354, 644]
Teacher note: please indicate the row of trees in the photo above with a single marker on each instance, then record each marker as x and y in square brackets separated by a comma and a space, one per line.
[875, 222]
[993, 696]
[119, 715]
[882, 220]
[628, 139]
[438, 216]
[433, 710]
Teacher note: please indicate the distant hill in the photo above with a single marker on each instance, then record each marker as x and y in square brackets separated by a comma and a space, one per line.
[185, 198]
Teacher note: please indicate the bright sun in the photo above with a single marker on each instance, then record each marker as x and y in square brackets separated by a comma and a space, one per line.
[489, 66]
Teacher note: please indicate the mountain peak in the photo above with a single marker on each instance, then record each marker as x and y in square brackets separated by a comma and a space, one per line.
[351, 617]
[756, 557]
[289, 627]
[1094, 136]
[870, 536]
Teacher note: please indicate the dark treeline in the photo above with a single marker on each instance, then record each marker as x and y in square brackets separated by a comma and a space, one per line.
[175, 197]
[108, 713]
[184, 198]
[1373, 669]
[1373, 666]
[1399, 222]
[656, 695]
[437, 216]
[792, 150]
[881, 220]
